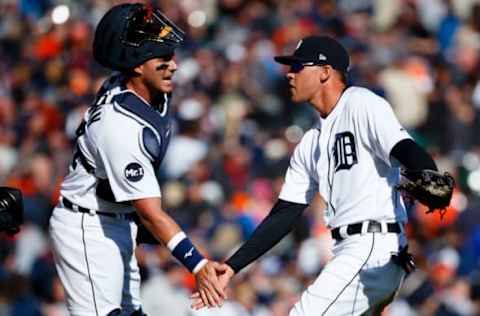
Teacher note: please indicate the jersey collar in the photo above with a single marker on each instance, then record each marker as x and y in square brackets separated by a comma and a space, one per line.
[337, 110]
[117, 83]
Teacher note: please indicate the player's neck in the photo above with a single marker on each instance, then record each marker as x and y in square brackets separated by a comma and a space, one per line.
[139, 87]
[327, 99]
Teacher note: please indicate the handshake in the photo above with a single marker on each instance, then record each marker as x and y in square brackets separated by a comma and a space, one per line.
[212, 281]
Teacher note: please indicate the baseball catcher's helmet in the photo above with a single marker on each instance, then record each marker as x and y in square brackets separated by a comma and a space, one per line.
[130, 34]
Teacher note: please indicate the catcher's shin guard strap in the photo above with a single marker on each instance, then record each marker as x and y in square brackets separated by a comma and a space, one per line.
[183, 249]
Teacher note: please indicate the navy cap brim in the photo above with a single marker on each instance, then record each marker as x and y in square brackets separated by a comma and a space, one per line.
[288, 60]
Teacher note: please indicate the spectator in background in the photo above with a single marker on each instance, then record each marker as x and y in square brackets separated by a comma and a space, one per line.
[187, 147]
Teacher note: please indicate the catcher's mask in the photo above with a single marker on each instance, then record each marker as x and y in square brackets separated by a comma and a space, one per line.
[132, 33]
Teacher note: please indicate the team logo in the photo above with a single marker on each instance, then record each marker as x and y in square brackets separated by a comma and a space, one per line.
[322, 57]
[134, 172]
[189, 253]
[344, 151]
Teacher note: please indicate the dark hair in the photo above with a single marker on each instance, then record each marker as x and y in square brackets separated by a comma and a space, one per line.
[343, 76]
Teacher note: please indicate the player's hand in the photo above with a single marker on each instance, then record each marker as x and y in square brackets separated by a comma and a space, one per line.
[210, 290]
[224, 273]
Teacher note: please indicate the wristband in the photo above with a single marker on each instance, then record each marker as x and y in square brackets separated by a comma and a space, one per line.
[185, 252]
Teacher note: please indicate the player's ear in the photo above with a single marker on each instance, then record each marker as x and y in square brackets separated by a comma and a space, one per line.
[325, 72]
[138, 69]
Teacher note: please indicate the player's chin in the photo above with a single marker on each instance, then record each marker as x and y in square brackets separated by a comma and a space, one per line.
[295, 97]
[166, 86]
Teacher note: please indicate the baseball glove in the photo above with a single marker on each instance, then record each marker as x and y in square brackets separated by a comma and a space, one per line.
[431, 188]
[11, 210]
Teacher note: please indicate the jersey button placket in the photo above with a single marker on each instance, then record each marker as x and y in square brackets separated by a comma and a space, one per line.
[330, 162]
[322, 169]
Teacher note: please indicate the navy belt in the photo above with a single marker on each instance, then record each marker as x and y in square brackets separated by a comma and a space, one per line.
[373, 227]
[77, 208]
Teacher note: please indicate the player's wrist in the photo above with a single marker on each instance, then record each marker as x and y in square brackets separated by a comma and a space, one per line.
[230, 270]
[232, 266]
[200, 266]
[183, 249]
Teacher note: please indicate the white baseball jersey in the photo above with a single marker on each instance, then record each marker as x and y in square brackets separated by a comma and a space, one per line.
[112, 143]
[120, 146]
[346, 158]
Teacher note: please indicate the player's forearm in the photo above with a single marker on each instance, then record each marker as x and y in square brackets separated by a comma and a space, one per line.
[163, 228]
[412, 156]
[271, 230]
[166, 230]
[159, 223]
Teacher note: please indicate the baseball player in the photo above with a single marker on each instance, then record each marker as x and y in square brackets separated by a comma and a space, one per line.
[351, 159]
[112, 178]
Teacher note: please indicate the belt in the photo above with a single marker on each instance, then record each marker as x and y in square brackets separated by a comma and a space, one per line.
[343, 232]
[77, 208]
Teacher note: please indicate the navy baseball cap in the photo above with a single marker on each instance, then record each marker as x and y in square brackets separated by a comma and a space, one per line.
[318, 50]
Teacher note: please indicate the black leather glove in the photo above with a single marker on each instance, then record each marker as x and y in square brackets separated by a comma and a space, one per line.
[11, 210]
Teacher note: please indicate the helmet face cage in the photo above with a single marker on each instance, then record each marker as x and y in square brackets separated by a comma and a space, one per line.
[149, 24]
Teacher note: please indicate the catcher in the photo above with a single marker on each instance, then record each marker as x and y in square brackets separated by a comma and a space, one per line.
[11, 210]
[113, 177]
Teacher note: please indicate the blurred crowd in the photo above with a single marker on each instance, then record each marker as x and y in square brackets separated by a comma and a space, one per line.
[235, 131]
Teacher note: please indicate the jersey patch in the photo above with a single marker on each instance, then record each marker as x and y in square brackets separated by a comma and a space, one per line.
[134, 172]
[344, 151]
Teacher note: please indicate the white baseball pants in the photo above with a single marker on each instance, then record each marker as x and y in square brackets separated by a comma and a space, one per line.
[360, 279]
[95, 259]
